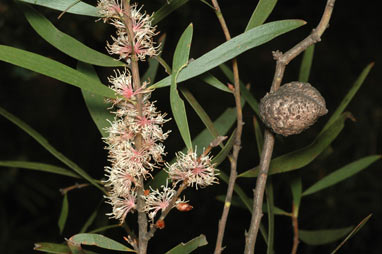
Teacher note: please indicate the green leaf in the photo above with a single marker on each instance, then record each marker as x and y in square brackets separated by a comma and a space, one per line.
[64, 213]
[252, 102]
[306, 64]
[271, 216]
[53, 69]
[167, 9]
[349, 96]
[99, 241]
[342, 174]
[188, 247]
[233, 48]
[352, 233]
[66, 43]
[258, 135]
[104, 228]
[199, 111]
[52, 248]
[180, 60]
[39, 167]
[302, 157]
[95, 103]
[321, 237]
[152, 70]
[80, 8]
[43, 142]
[296, 187]
[89, 221]
[220, 157]
[261, 13]
[213, 81]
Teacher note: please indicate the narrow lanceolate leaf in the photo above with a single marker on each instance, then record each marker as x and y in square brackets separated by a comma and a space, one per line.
[306, 64]
[233, 48]
[95, 103]
[64, 213]
[66, 43]
[199, 111]
[248, 97]
[89, 221]
[43, 142]
[213, 81]
[296, 188]
[80, 8]
[190, 246]
[261, 13]
[99, 241]
[352, 233]
[258, 135]
[53, 69]
[220, 157]
[321, 237]
[51, 248]
[342, 174]
[39, 167]
[271, 216]
[167, 9]
[349, 96]
[152, 70]
[302, 157]
[178, 108]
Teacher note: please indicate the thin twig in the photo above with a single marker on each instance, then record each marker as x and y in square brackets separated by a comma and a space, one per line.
[295, 229]
[237, 144]
[142, 219]
[282, 61]
[72, 187]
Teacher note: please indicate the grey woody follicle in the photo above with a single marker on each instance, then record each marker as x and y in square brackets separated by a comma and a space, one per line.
[292, 108]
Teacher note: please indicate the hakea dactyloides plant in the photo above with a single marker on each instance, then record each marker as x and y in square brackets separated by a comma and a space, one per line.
[135, 141]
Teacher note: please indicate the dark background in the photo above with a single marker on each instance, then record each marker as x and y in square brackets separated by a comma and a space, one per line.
[30, 201]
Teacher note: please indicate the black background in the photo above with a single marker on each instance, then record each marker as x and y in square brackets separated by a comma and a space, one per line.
[30, 201]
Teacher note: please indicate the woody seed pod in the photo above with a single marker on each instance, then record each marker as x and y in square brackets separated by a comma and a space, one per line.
[292, 108]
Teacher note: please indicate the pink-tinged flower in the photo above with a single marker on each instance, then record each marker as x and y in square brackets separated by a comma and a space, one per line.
[122, 84]
[195, 170]
[142, 47]
[157, 200]
[109, 9]
[121, 205]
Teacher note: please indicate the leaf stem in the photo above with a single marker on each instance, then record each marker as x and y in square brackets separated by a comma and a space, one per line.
[282, 61]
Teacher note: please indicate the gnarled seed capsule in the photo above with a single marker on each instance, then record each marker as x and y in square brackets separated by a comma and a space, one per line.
[292, 108]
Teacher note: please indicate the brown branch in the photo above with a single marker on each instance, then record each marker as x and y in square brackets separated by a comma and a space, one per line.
[237, 144]
[72, 187]
[142, 218]
[282, 61]
[295, 229]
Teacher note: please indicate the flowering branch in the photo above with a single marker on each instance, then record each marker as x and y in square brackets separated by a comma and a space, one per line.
[237, 144]
[269, 139]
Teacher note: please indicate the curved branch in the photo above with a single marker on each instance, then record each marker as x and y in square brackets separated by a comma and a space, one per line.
[282, 62]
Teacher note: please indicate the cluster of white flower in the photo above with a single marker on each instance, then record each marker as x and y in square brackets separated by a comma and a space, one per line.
[113, 12]
[135, 136]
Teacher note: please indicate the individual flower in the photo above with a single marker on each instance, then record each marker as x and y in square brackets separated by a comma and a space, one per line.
[193, 169]
[121, 205]
[157, 200]
[109, 9]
